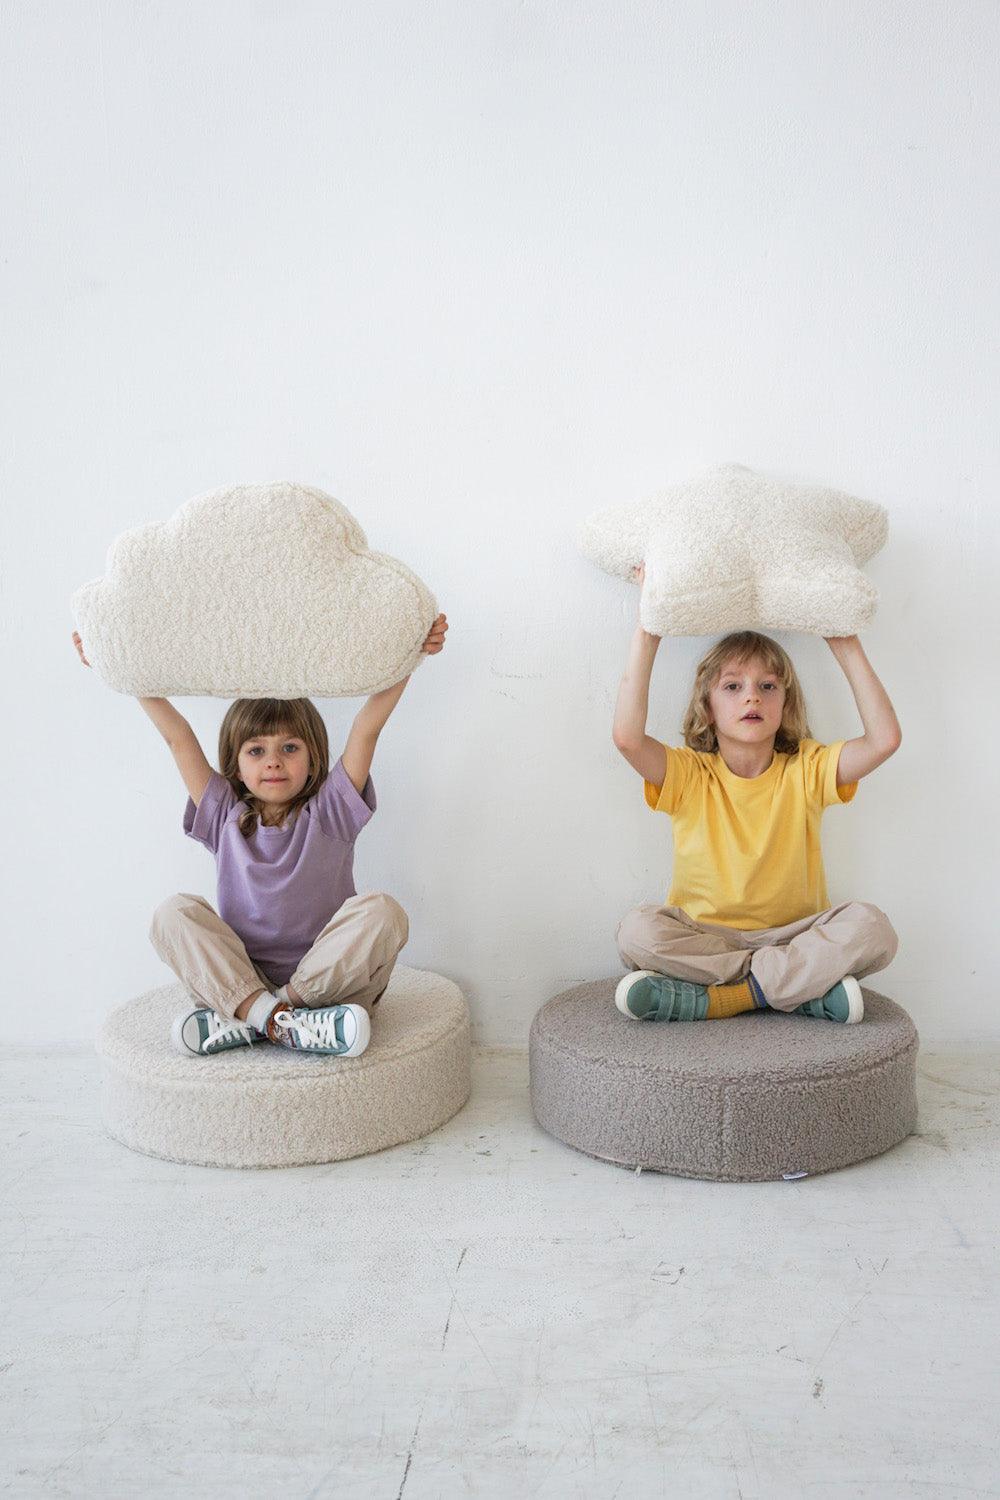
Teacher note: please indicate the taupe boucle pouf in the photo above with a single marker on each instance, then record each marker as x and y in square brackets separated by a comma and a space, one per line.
[265, 1106]
[758, 1096]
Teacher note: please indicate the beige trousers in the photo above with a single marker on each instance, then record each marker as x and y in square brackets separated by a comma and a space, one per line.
[791, 964]
[350, 961]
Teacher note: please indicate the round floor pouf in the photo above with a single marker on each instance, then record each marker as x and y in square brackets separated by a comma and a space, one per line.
[759, 1096]
[265, 1106]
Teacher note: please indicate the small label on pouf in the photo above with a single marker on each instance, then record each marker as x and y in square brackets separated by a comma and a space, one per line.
[792, 1176]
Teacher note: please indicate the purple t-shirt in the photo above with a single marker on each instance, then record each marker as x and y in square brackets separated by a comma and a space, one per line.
[278, 889]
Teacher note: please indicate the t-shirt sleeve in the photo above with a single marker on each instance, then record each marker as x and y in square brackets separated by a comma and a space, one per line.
[342, 810]
[682, 774]
[206, 821]
[819, 770]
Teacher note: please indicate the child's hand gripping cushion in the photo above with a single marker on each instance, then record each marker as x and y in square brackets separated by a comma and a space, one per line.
[736, 550]
[259, 591]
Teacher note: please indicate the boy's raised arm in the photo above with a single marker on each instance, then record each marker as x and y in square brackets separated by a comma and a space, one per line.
[643, 753]
[882, 736]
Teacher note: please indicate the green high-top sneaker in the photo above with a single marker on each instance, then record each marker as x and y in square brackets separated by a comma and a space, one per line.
[201, 1032]
[843, 1003]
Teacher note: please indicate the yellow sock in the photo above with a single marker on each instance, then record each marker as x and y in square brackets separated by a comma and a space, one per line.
[730, 999]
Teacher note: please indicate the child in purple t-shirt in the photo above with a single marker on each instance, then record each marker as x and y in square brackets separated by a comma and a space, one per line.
[293, 955]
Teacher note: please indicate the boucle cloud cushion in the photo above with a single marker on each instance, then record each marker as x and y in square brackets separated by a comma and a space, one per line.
[258, 591]
[736, 550]
[757, 1097]
[263, 1106]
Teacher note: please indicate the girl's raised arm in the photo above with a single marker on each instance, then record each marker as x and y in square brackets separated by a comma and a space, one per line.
[194, 768]
[374, 714]
[183, 742]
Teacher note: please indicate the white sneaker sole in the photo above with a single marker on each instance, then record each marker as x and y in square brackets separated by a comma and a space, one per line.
[359, 1041]
[363, 1034]
[177, 1035]
[855, 1001]
[623, 987]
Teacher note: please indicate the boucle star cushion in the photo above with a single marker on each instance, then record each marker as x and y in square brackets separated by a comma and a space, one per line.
[737, 550]
[258, 591]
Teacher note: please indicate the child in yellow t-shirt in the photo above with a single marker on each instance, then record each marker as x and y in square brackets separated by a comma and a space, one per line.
[748, 922]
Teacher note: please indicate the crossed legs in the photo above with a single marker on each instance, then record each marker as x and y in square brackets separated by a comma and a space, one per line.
[349, 963]
[791, 964]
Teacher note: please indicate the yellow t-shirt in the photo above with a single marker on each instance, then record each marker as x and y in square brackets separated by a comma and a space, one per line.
[747, 849]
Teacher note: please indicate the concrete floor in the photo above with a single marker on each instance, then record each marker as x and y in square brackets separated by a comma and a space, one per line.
[487, 1313]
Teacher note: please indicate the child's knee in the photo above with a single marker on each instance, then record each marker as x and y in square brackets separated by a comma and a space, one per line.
[390, 915]
[632, 930]
[879, 929]
[166, 915]
[637, 925]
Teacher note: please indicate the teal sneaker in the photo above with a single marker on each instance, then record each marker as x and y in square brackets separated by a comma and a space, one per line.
[843, 1003]
[333, 1030]
[201, 1032]
[645, 996]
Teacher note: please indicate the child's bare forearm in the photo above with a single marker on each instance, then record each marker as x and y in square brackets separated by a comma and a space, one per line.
[373, 716]
[632, 707]
[182, 743]
[169, 722]
[874, 706]
[368, 725]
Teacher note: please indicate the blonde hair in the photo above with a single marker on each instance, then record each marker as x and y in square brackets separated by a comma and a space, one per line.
[743, 646]
[252, 718]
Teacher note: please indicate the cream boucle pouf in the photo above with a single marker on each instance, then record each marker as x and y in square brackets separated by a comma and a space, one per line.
[759, 1096]
[264, 1106]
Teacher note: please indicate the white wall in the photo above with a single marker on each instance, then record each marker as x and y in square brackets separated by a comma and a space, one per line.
[476, 270]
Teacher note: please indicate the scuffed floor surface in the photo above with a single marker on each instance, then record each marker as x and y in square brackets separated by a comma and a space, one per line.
[487, 1313]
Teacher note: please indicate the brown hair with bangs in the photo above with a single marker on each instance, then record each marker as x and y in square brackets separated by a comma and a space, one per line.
[250, 719]
[743, 646]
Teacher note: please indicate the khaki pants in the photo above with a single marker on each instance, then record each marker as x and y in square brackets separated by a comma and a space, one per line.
[350, 961]
[791, 964]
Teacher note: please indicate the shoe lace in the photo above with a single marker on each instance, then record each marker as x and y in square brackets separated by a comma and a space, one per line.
[318, 1031]
[220, 1030]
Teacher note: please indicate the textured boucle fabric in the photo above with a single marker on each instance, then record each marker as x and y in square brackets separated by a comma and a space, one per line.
[737, 550]
[263, 1106]
[257, 591]
[748, 1099]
